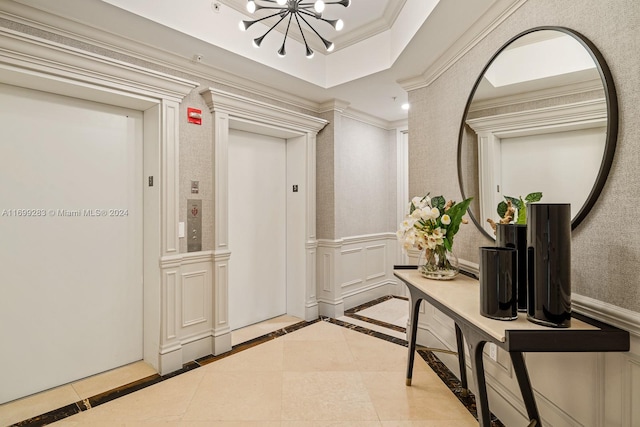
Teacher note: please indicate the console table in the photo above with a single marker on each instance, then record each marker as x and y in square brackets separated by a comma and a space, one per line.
[459, 299]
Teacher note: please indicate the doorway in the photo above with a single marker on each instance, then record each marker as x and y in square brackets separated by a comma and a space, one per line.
[71, 259]
[257, 228]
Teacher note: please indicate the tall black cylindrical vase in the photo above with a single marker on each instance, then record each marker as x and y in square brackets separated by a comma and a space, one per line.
[498, 292]
[549, 264]
[515, 236]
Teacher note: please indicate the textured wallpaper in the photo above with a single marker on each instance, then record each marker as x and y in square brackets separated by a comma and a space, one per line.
[363, 190]
[606, 246]
[196, 164]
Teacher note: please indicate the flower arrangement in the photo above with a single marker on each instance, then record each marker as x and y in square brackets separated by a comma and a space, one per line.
[431, 224]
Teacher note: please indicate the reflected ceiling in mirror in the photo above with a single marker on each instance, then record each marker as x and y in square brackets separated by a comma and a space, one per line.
[542, 117]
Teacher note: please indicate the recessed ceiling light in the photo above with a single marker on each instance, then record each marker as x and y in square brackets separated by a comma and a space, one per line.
[405, 106]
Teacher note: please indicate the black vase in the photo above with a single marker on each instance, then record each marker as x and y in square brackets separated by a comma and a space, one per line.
[549, 264]
[515, 236]
[498, 290]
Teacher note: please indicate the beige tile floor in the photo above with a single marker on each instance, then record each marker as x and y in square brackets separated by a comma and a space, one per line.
[321, 375]
[259, 329]
[58, 397]
[37, 404]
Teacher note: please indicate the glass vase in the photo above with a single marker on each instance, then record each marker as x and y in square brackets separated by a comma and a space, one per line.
[439, 264]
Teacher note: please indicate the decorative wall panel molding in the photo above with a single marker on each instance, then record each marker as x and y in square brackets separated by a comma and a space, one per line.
[188, 305]
[355, 270]
[631, 414]
[194, 299]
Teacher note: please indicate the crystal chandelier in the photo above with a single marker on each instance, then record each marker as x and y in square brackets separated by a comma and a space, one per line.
[294, 9]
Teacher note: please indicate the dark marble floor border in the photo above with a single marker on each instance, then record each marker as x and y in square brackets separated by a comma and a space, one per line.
[445, 375]
[353, 313]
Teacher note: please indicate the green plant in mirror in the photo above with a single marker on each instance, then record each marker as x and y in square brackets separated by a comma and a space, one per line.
[520, 206]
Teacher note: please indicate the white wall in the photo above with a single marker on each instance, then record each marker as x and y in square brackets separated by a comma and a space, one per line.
[355, 270]
[548, 157]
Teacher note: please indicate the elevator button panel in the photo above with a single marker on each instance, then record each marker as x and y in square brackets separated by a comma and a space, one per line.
[194, 225]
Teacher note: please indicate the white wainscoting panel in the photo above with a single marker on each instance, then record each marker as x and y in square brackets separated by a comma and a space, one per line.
[376, 261]
[194, 298]
[631, 391]
[188, 307]
[355, 270]
[169, 297]
[351, 267]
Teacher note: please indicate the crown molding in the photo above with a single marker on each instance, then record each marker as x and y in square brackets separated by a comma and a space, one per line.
[342, 107]
[481, 28]
[577, 115]
[369, 119]
[61, 68]
[243, 107]
[333, 105]
[92, 39]
[385, 23]
[160, 59]
[538, 95]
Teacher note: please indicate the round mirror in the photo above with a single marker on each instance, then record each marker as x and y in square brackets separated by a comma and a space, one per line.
[541, 118]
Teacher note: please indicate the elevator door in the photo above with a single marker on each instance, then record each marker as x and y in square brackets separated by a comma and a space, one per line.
[257, 228]
[71, 230]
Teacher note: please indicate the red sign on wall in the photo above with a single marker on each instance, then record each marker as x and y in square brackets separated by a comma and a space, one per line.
[194, 116]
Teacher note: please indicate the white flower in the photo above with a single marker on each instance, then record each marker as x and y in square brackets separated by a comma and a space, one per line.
[424, 227]
[407, 224]
[416, 214]
[409, 239]
[427, 215]
[437, 233]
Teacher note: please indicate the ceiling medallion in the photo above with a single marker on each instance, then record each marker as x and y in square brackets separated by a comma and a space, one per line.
[294, 9]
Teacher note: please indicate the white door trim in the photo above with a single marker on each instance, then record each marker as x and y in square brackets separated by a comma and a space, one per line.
[41, 64]
[232, 111]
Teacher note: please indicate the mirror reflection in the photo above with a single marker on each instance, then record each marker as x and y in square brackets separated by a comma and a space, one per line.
[537, 121]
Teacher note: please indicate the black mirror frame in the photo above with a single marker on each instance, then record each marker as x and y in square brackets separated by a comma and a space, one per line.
[612, 121]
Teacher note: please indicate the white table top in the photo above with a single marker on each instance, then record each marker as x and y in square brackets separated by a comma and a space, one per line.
[462, 296]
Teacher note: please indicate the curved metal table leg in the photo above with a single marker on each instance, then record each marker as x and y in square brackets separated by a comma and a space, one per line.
[476, 345]
[411, 336]
[461, 362]
[525, 388]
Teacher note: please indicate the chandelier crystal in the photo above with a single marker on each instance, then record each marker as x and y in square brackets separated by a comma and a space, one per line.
[288, 10]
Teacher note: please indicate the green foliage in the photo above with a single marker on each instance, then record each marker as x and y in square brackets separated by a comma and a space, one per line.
[519, 205]
[455, 212]
[533, 197]
[438, 202]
